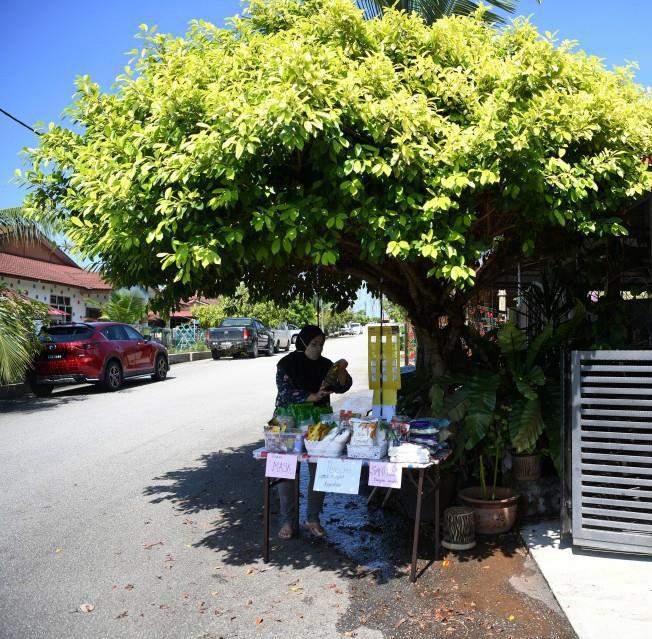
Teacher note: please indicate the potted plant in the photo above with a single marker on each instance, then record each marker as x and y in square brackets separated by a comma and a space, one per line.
[494, 506]
[508, 402]
[483, 436]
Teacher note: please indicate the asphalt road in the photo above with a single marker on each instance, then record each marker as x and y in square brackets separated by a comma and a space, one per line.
[146, 504]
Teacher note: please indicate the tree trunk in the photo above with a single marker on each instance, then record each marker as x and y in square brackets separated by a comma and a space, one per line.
[430, 357]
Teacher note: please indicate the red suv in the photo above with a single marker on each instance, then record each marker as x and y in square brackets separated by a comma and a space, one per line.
[102, 352]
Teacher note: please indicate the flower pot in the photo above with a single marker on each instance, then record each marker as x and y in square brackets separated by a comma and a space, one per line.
[459, 528]
[526, 467]
[492, 517]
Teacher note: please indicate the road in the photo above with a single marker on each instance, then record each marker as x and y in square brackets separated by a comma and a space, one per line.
[145, 504]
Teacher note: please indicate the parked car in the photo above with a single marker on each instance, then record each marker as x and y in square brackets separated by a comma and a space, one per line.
[105, 353]
[355, 328]
[240, 336]
[284, 335]
[295, 331]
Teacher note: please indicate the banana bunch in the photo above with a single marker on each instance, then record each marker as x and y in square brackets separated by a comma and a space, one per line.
[317, 432]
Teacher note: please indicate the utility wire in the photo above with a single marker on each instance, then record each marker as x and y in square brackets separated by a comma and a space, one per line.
[27, 126]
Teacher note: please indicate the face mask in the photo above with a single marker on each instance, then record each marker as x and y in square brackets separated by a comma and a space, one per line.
[313, 351]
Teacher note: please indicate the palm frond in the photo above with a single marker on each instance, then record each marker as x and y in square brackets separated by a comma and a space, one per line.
[15, 225]
[432, 10]
[125, 306]
[17, 334]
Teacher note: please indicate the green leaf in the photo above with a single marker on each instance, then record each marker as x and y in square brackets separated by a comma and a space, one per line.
[511, 339]
[526, 424]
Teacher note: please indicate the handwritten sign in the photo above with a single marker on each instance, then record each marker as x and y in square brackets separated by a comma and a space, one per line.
[281, 466]
[338, 476]
[385, 474]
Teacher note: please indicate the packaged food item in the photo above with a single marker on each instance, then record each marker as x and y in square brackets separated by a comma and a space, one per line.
[283, 442]
[286, 421]
[317, 432]
[331, 379]
[363, 432]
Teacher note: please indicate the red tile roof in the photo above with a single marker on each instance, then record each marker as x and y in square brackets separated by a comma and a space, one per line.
[29, 269]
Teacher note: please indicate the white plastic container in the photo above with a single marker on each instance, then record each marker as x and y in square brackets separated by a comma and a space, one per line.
[325, 449]
[367, 452]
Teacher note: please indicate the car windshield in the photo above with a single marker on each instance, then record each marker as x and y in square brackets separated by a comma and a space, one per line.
[237, 321]
[65, 333]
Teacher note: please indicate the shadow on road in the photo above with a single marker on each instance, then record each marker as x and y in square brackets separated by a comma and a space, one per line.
[359, 539]
[67, 395]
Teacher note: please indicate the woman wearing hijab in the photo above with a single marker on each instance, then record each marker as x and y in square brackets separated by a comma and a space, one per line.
[300, 378]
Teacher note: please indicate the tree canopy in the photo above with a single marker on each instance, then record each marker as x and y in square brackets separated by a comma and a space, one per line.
[305, 148]
[267, 311]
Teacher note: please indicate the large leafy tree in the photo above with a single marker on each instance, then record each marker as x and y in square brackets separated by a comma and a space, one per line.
[308, 149]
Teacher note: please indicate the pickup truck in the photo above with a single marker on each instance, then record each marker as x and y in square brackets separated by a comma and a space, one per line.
[237, 336]
[284, 335]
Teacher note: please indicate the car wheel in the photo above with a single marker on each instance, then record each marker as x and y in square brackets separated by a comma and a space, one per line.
[41, 390]
[287, 348]
[254, 351]
[215, 355]
[112, 376]
[160, 369]
[269, 351]
[277, 347]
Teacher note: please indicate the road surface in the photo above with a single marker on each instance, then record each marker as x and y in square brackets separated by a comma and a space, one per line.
[146, 505]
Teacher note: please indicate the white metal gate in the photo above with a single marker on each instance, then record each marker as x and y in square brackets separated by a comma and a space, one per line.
[612, 450]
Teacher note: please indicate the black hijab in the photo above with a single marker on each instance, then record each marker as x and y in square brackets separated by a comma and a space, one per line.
[306, 374]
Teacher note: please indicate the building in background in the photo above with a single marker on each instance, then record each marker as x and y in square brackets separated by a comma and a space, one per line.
[38, 269]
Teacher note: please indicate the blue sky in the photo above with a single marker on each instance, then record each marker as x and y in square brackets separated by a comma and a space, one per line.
[44, 45]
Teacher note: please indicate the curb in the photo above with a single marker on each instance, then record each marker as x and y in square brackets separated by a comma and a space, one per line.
[181, 358]
[13, 391]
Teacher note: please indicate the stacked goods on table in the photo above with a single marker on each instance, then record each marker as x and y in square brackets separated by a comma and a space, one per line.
[430, 433]
[368, 439]
[327, 438]
[418, 439]
[407, 453]
[282, 437]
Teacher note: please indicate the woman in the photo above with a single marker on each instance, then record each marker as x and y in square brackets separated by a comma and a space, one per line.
[300, 377]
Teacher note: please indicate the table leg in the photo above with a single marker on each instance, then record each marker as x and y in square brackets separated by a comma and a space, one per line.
[437, 513]
[297, 482]
[266, 520]
[372, 494]
[417, 529]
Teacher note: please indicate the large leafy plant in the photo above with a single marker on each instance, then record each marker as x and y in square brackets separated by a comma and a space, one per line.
[514, 400]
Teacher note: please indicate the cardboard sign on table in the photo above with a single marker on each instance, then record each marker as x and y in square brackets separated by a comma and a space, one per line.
[338, 475]
[281, 466]
[385, 474]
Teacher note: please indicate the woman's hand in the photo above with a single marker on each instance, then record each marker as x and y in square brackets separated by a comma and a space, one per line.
[318, 396]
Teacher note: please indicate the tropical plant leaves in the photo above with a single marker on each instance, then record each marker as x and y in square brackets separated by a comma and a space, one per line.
[526, 424]
[511, 340]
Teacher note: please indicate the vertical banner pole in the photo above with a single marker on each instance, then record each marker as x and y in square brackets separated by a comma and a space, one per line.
[381, 348]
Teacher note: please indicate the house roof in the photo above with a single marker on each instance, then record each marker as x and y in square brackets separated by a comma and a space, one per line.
[29, 269]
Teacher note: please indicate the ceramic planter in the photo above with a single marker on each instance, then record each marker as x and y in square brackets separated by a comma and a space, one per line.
[492, 517]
